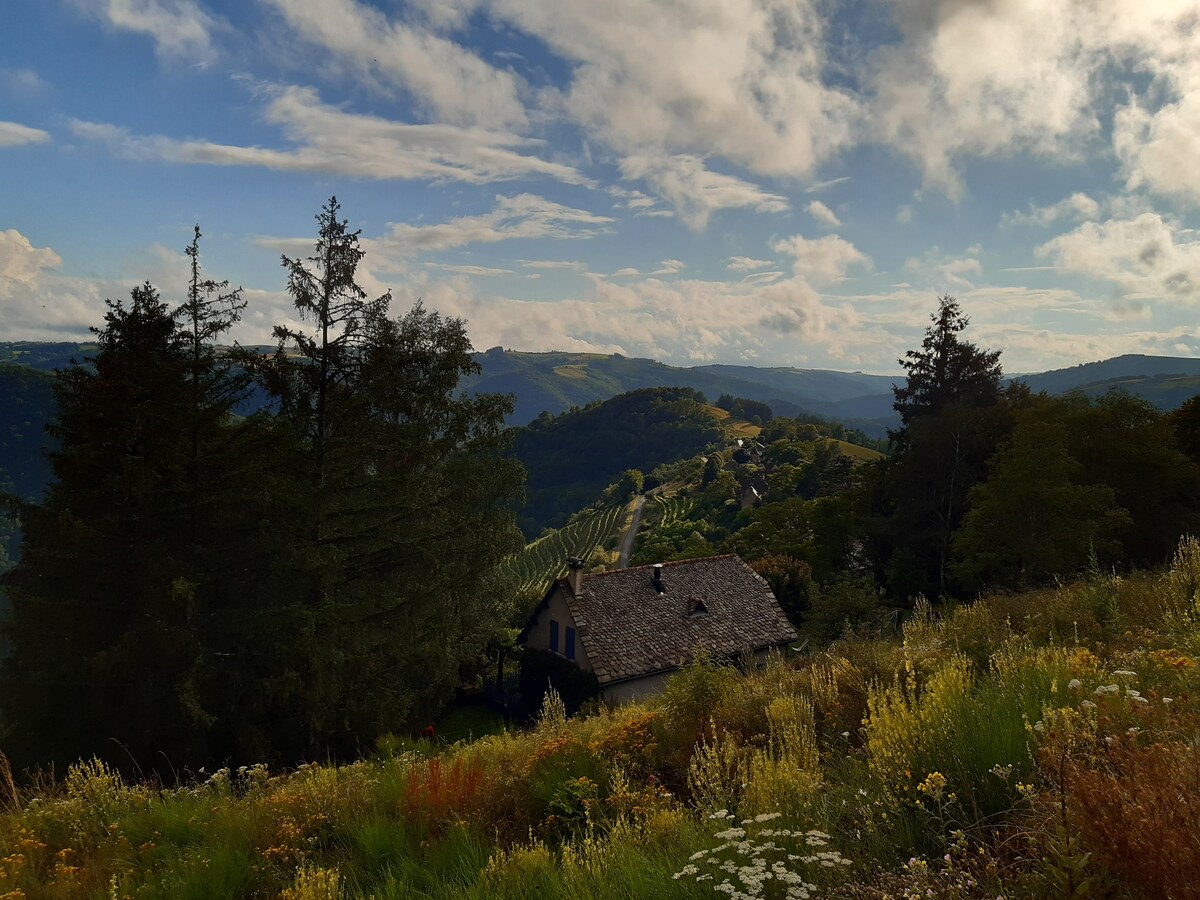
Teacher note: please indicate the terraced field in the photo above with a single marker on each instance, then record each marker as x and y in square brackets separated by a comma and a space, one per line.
[546, 558]
[673, 508]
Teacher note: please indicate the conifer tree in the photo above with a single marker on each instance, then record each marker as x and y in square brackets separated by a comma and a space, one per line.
[951, 418]
[399, 503]
[102, 642]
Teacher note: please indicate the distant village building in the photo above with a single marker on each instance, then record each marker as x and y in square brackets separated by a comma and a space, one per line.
[632, 628]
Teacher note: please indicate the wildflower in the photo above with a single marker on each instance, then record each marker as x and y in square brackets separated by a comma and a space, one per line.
[1088, 704]
[1125, 673]
[934, 784]
[1106, 689]
[1074, 684]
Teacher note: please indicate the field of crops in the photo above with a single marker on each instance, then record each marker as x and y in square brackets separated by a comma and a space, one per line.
[673, 508]
[546, 558]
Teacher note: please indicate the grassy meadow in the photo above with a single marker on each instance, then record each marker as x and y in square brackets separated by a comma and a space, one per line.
[1044, 744]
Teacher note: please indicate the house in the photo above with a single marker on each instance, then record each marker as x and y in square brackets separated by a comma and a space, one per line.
[633, 627]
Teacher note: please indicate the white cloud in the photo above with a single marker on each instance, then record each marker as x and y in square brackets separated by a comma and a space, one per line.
[179, 28]
[975, 79]
[687, 321]
[449, 81]
[945, 273]
[327, 139]
[746, 264]
[1077, 207]
[35, 302]
[823, 214]
[24, 83]
[1160, 150]
[740, 79]
[477, 271]
[21, 263]
[1147, 256]
[571, 265]
[762, 277]
[524, 216]
[823, 260]
[695, 191]
[13, 134]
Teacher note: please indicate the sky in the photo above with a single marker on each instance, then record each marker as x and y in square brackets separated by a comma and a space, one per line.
[765, 182]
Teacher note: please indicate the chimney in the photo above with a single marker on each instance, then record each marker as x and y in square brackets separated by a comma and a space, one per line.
[575, 575]
[658, 582]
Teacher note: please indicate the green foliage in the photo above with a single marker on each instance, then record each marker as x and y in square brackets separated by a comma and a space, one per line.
[741, 408]
[972, 758]
[1031, 520]
[571, 458]
[95, 625]
[541, 670]
[946, 370]
[1124, 443]
[287, 585]
[532, 570]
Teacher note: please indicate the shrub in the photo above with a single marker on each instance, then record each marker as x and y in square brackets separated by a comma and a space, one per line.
[1137, 812]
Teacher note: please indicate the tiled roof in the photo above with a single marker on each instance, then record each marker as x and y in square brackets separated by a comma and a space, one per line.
[629, 629]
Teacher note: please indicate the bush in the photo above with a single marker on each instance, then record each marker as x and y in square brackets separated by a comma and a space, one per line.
[541, 670]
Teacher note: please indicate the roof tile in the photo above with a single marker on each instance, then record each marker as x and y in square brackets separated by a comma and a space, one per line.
[629, 629]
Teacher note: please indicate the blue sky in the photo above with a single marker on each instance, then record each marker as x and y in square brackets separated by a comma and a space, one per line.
[778, 182]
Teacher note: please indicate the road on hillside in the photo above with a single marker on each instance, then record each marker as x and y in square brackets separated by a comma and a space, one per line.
[631, 533]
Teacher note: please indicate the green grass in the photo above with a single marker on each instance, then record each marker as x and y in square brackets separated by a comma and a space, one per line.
[613, 804]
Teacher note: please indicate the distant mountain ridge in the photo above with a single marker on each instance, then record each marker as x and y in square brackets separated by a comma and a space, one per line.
[556, 381]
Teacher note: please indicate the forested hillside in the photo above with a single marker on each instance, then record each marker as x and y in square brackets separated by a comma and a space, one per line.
[570, 458]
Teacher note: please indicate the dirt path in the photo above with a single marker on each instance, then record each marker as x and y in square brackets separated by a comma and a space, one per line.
[631, 533]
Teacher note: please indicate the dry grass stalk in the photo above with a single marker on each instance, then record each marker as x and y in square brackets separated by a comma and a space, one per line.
[8, 788]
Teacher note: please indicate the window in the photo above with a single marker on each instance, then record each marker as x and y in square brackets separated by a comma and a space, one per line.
[570, 642]
[554, 635]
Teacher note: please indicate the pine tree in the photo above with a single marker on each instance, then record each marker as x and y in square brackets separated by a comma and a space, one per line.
[400, 497]
[952, 416]
[102, 642]
[945, 370]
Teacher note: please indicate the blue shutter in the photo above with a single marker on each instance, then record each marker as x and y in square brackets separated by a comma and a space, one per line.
[554, 635]
[570, 642]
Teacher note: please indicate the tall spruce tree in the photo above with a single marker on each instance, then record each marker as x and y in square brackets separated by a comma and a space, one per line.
[952, 418]
[947, 369]
[398, 495]
[103, 653]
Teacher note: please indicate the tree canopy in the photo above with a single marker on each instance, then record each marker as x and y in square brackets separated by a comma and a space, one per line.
[199, 586]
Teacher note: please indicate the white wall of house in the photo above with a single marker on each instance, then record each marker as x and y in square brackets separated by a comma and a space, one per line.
[539, 636]
[652, 685]
[635, 688]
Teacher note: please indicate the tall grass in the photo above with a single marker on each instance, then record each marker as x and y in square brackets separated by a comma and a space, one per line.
[1011, 747]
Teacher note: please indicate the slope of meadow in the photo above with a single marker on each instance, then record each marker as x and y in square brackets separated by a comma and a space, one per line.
[1033, 745]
